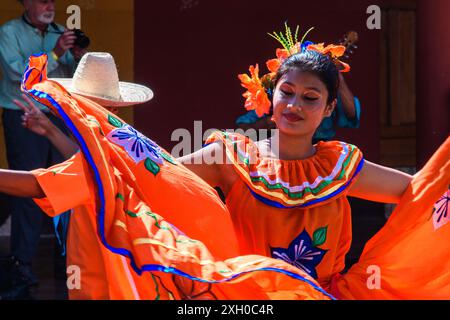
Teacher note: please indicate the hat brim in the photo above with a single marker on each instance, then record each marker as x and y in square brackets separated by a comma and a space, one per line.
[130, 93]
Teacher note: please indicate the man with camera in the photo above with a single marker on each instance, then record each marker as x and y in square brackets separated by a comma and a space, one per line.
[31, 34]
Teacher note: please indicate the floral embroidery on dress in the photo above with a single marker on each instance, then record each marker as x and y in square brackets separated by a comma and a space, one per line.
[139, 147]
[303, 252]
[440, 211]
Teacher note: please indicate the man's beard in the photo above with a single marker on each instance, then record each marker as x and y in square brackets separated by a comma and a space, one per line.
[46, 17]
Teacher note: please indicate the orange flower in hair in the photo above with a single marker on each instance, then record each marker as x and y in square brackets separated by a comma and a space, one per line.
[334, 52]
[331, 49]
[256, 95]
[274, 64]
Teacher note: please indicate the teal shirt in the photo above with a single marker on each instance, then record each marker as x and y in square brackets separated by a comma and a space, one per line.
[326, 130]
[18, 41]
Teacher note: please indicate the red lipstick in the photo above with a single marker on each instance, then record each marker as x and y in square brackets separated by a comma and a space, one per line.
[292, 117]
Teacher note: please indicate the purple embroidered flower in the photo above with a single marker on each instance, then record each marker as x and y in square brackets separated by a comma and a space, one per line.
[301, 253]
[440, 211]
[138, 146]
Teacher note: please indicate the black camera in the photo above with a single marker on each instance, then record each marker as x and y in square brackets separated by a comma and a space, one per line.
[82, 39]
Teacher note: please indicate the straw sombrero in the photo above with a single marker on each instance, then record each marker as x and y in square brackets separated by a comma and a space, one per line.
[97, 79]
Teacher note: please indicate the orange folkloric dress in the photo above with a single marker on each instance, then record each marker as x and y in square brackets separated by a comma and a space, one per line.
[143, 226]
[297, 211]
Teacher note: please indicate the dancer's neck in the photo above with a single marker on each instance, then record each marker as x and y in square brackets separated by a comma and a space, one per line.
[290, 147]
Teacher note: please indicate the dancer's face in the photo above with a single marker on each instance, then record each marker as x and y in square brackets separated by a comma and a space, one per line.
[300, 103]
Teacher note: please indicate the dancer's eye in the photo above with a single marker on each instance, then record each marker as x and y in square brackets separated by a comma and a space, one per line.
[286, 93]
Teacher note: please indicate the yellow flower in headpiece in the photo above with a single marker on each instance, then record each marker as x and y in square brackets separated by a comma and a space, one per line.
[334, 52]
[256, 96]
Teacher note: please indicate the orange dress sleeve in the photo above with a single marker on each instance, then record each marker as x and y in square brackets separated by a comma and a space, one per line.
[65, 186]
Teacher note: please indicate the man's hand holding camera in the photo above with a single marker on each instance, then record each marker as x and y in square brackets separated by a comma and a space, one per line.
[65, 42]
[68, 41]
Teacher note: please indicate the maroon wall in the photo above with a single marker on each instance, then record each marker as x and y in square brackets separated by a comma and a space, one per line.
[191, 58]
[433, 77]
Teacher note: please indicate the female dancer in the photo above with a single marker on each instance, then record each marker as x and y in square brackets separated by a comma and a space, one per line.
[288, 197]
[291, 204]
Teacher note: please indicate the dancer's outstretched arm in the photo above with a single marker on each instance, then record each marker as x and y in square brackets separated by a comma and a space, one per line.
[380, 184]
[375, 182]
[20, 184]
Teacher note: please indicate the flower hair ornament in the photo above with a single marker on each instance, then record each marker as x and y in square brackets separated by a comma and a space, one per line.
[260, 89]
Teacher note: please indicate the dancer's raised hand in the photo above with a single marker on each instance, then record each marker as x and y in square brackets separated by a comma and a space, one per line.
[33, 118]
